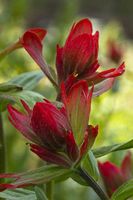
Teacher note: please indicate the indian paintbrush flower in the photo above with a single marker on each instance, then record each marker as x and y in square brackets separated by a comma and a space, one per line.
[113, 176]
[79, 57]
[58, 135]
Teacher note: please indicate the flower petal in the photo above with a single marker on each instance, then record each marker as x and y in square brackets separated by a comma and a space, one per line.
[92, 132]
[84, 145]
[22, 123]
[59, 63]
[33, 46]
[103, 86]
[113, 72]
[72, 148]
[27, 108]
[78, 104]
[79, 54]
[40, 32]
[127, 166]
[81, 27]
[51, 157]
[50, 124]
[111, 175]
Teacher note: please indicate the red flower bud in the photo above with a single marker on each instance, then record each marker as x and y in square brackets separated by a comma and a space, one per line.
[115, 51]
[114, 176]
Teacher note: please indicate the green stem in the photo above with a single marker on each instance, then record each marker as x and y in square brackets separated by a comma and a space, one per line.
[10, 49]
[2, 150]
[93, 184]
[49, 190]
[2, 147]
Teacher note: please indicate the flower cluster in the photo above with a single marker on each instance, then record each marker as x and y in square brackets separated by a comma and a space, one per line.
[58, 135]
[61, 135]
[77, 60]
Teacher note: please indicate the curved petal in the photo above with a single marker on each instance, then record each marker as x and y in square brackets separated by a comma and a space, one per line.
[103, 86]
[59, 63]
[40, 32]
[72, 148]
[127, 166]
[22, 123]
[79, 54]
[51, 157]
[81, 27]
[50, 124]
[112, 72]
[33, 46]
[111, 175]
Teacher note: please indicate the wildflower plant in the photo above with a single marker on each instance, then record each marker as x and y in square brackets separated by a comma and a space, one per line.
[60, 132]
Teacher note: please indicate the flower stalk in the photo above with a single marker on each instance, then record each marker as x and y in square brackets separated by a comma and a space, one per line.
[9, 49]
[93, 184]
[2, 147]
[49, 190]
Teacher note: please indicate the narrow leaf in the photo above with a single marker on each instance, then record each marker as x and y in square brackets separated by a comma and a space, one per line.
[99, 152]
[124, 192]
[38, 176]
[6, 87]
[18, 194]
[27, 80]
[28, 96]
[90, 165]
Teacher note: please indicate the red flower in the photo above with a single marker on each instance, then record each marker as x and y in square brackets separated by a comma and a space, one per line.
[115, 52]
[79, 57]
[32, 43]
[59, 136]
[114, 176]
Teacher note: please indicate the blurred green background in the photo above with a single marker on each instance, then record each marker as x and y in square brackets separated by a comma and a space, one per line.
[113, 111]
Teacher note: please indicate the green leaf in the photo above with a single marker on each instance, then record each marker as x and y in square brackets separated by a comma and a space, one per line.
[28, 96]
[123, 192]
[116, 147]
[38, 176]
[90, 165]
[40, 194]
[6, 87]
[18, 88]
[18, 194]
[27, 80]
